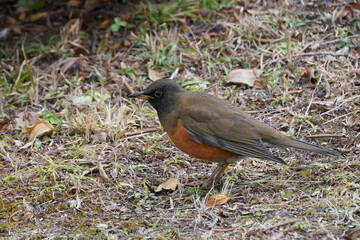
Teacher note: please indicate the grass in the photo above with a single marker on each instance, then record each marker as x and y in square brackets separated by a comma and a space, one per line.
[95, 176]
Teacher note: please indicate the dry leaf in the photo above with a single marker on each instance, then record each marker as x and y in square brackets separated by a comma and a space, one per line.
[206, 36]
[125, 16]
[217, 199]
[36, 29]
[321, 105]
[346, 13]
[171, 183]
[258, 85]
[249, 77]
[154, 75]
[37, 16]
[74, 3]
[4, 122]
[105, 24]
[16, 218]
[22, 15]
[27, 216]
[11, 20]
[126, 43]
[184, 26]
[355, 5]
[308, 73]
[90, 5]
[39, 128]
[115, 45]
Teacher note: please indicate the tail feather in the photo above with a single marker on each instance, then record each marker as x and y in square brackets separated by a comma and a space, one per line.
[294, 143]
[276, 159]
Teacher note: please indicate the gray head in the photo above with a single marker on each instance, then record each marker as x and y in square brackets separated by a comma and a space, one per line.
[161, 94]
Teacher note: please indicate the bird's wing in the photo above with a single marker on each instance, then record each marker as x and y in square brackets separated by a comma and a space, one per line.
[221, 127]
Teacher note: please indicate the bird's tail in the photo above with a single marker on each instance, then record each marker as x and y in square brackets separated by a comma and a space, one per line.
[294, 143]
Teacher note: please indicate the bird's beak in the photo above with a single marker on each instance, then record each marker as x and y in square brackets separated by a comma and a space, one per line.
[139, 95]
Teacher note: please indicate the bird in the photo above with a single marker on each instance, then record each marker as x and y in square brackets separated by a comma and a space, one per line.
[211, 129]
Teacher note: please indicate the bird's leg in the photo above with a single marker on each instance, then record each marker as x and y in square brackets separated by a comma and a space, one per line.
[216, 174]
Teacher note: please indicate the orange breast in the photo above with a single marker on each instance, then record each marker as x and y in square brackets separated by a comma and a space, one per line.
[182, 140]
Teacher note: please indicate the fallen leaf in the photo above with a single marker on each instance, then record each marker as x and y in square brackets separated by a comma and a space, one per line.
[217, 199]
[346, 13]
[90, 5]
[115, 45]
[74, 3]
[16, 218]
[38, 129]
[126, 43]
[248, 77]
[355, 5]
[37, 16]
[105, 24]
[154, 75]
[206, 36]
[22, 16]
[35, 29]
[170, 184]
[258, 85]
[4, 122]
[321, 105]
[125, 16]
[27, 216]
[11, 20]
[184, 26]
[308, 73]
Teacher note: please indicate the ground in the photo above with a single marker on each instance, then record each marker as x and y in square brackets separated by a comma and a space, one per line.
[90, 170]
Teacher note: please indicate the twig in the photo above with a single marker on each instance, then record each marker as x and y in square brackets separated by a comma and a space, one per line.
[276, 181]
[103, 173]
[338, 106]
[224, 229]
[291, 221]
[337, 40]
[264, 40]
[325, 135]
[94, 169]
[325, 53]
[141, 132]
[341, 116]
[115, 77]
[128, 87]
[312, 97]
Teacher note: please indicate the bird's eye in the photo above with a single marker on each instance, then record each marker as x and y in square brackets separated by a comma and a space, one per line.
[157, 93]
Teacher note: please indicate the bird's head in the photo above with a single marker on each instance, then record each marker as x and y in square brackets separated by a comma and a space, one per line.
[161, 94]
